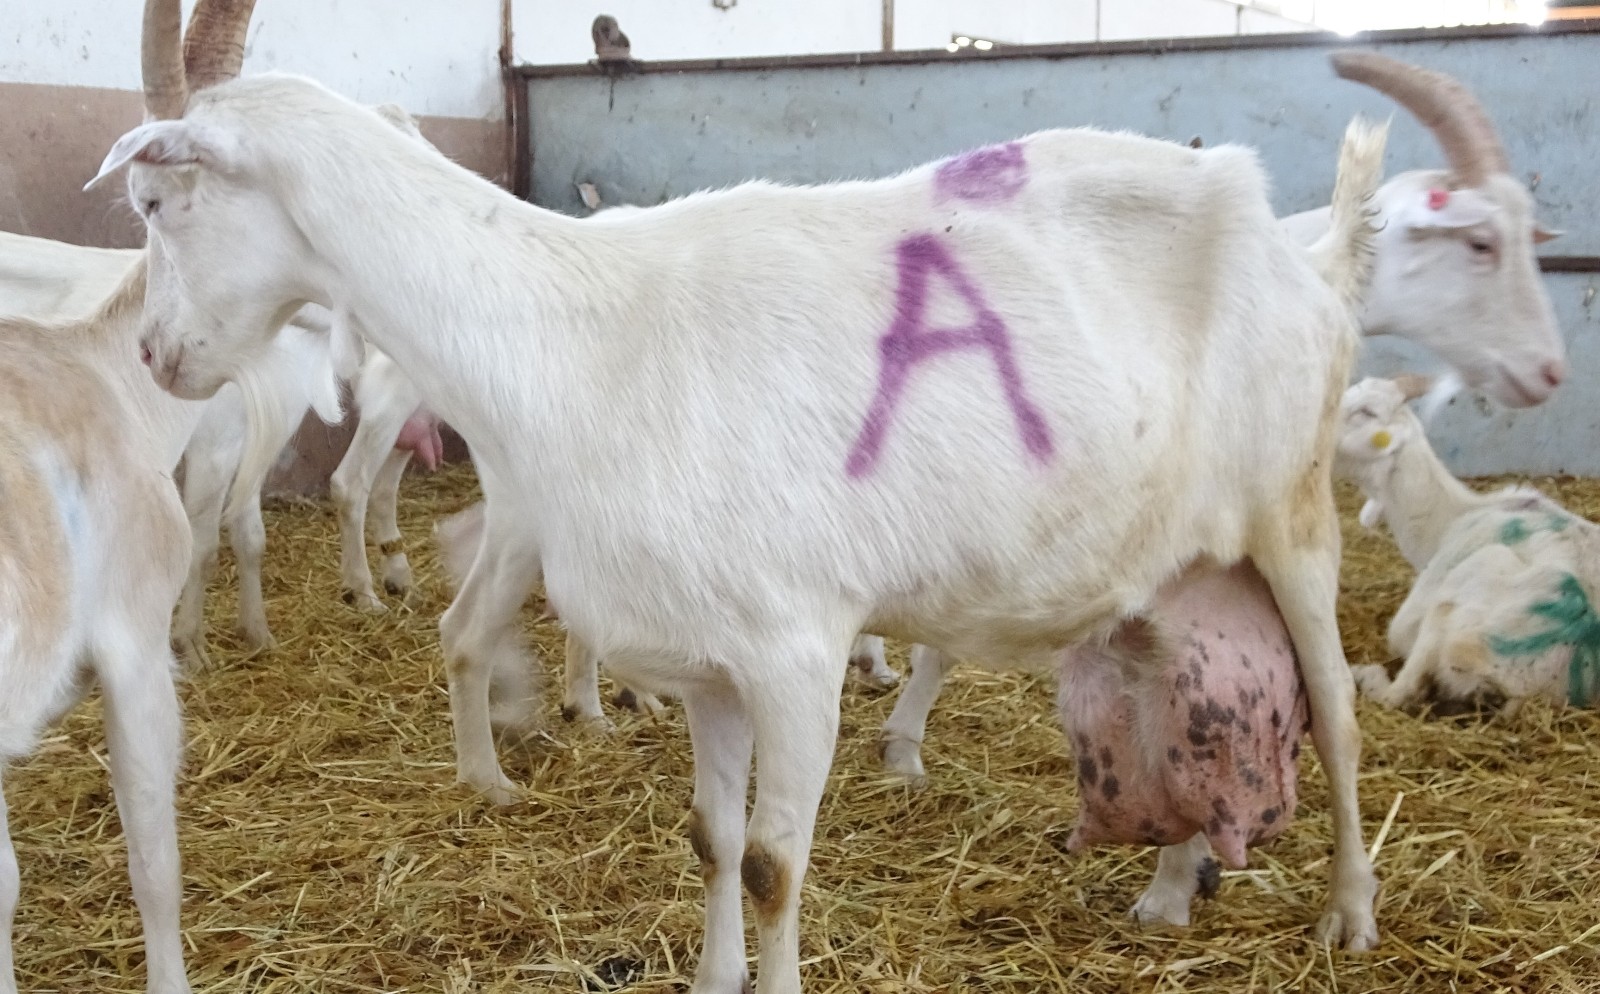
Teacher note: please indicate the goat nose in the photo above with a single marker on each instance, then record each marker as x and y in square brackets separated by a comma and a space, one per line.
[145, 355]
[1554, 372]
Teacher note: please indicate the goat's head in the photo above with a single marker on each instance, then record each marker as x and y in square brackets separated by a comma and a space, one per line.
[1375, 425]
[228, 264]
[1455, 269]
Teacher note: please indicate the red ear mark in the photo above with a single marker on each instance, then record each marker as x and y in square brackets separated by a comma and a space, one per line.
[1437, 199]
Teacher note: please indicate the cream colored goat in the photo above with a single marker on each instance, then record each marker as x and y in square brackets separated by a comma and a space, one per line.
[1502, 607]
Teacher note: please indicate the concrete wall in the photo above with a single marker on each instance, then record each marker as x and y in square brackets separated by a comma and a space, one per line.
[553, 32]
[69, 86]
[644, 138]
[69, 83]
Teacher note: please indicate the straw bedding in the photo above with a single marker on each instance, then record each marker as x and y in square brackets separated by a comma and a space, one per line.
[326, 849]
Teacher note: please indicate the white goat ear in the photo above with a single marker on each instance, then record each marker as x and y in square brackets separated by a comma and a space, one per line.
[163, 143]
[1440, 208]
[1371, 514]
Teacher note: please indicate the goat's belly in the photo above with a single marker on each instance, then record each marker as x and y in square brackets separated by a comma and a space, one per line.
[1189, 721]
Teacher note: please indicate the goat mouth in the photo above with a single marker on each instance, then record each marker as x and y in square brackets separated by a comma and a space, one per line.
[1515, 392]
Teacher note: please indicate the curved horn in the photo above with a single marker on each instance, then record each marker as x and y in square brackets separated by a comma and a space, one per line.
[1441, 103]
[213, 47]
[165, 93]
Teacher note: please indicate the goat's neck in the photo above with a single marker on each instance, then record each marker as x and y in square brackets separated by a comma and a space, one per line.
[407, 241]
[1421, 500]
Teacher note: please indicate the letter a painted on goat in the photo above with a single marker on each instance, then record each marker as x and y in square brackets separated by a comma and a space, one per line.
[910, 341]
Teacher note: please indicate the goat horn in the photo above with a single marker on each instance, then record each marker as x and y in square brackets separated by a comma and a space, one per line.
[165, 93]
[213, 47]
[1413, 385]
[1441, 103]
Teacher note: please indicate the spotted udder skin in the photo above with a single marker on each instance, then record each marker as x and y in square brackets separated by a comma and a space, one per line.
[1188, 721]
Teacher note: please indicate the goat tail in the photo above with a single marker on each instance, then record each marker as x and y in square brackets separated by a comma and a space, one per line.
[1344, 254]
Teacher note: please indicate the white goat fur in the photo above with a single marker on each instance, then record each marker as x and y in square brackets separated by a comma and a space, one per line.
[1484, 562]
[661, 407]
[46, 280]
[1486, 314]
[93, 548]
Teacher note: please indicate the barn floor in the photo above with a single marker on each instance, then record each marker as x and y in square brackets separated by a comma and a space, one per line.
[325, 848]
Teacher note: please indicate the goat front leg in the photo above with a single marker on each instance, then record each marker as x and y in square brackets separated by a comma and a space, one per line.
[143, 735]
[480, 636]
[719, 732]
[248, 536]
[1303, 573]
[796, 724]
[1182, 871]
[900, 741]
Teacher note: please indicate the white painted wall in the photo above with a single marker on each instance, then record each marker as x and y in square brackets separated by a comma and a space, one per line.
[435, 57]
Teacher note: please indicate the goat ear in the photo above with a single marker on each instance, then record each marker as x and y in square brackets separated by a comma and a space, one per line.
[1371, 514]
[159, 143]
[1541, 234]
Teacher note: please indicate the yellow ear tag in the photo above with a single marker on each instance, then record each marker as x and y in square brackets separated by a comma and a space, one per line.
[1380, 440]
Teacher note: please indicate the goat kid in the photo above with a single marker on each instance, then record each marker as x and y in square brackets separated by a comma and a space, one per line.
[1502, 607]
[93, 549]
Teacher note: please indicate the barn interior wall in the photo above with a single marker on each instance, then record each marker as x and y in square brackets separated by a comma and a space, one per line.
[641, 139]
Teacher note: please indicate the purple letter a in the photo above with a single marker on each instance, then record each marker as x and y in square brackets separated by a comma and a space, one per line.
[909, 341]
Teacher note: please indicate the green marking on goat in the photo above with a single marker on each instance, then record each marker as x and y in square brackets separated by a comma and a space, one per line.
[1574, 624]
[1517, 530]
[1513, 531]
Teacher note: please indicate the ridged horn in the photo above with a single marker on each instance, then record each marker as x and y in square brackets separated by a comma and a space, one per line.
[1441, 103]
[213, 47]
[165, 91]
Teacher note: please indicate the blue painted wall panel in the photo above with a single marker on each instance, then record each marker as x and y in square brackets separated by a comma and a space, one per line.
[645, 138]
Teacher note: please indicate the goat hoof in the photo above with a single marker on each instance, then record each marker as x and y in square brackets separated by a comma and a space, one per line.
[394, 589]
[365, 602]
[873, 672]
[191, 651]
[903, 757]
[257, 639]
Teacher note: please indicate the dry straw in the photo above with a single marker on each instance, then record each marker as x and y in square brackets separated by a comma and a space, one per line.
[325, 848]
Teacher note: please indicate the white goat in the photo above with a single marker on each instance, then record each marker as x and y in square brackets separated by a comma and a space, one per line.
[1502, 606]
[44, 280]
[93, 548]
[1453, 270]
[734, 430]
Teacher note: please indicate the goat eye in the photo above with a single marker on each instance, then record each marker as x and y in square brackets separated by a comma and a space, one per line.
[1481, 247]
[150, 206]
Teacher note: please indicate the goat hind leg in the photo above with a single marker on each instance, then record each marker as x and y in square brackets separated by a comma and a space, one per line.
[480, 634]
[1182, 871]
[143, 735]
[900, 741]
[1301, 565]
